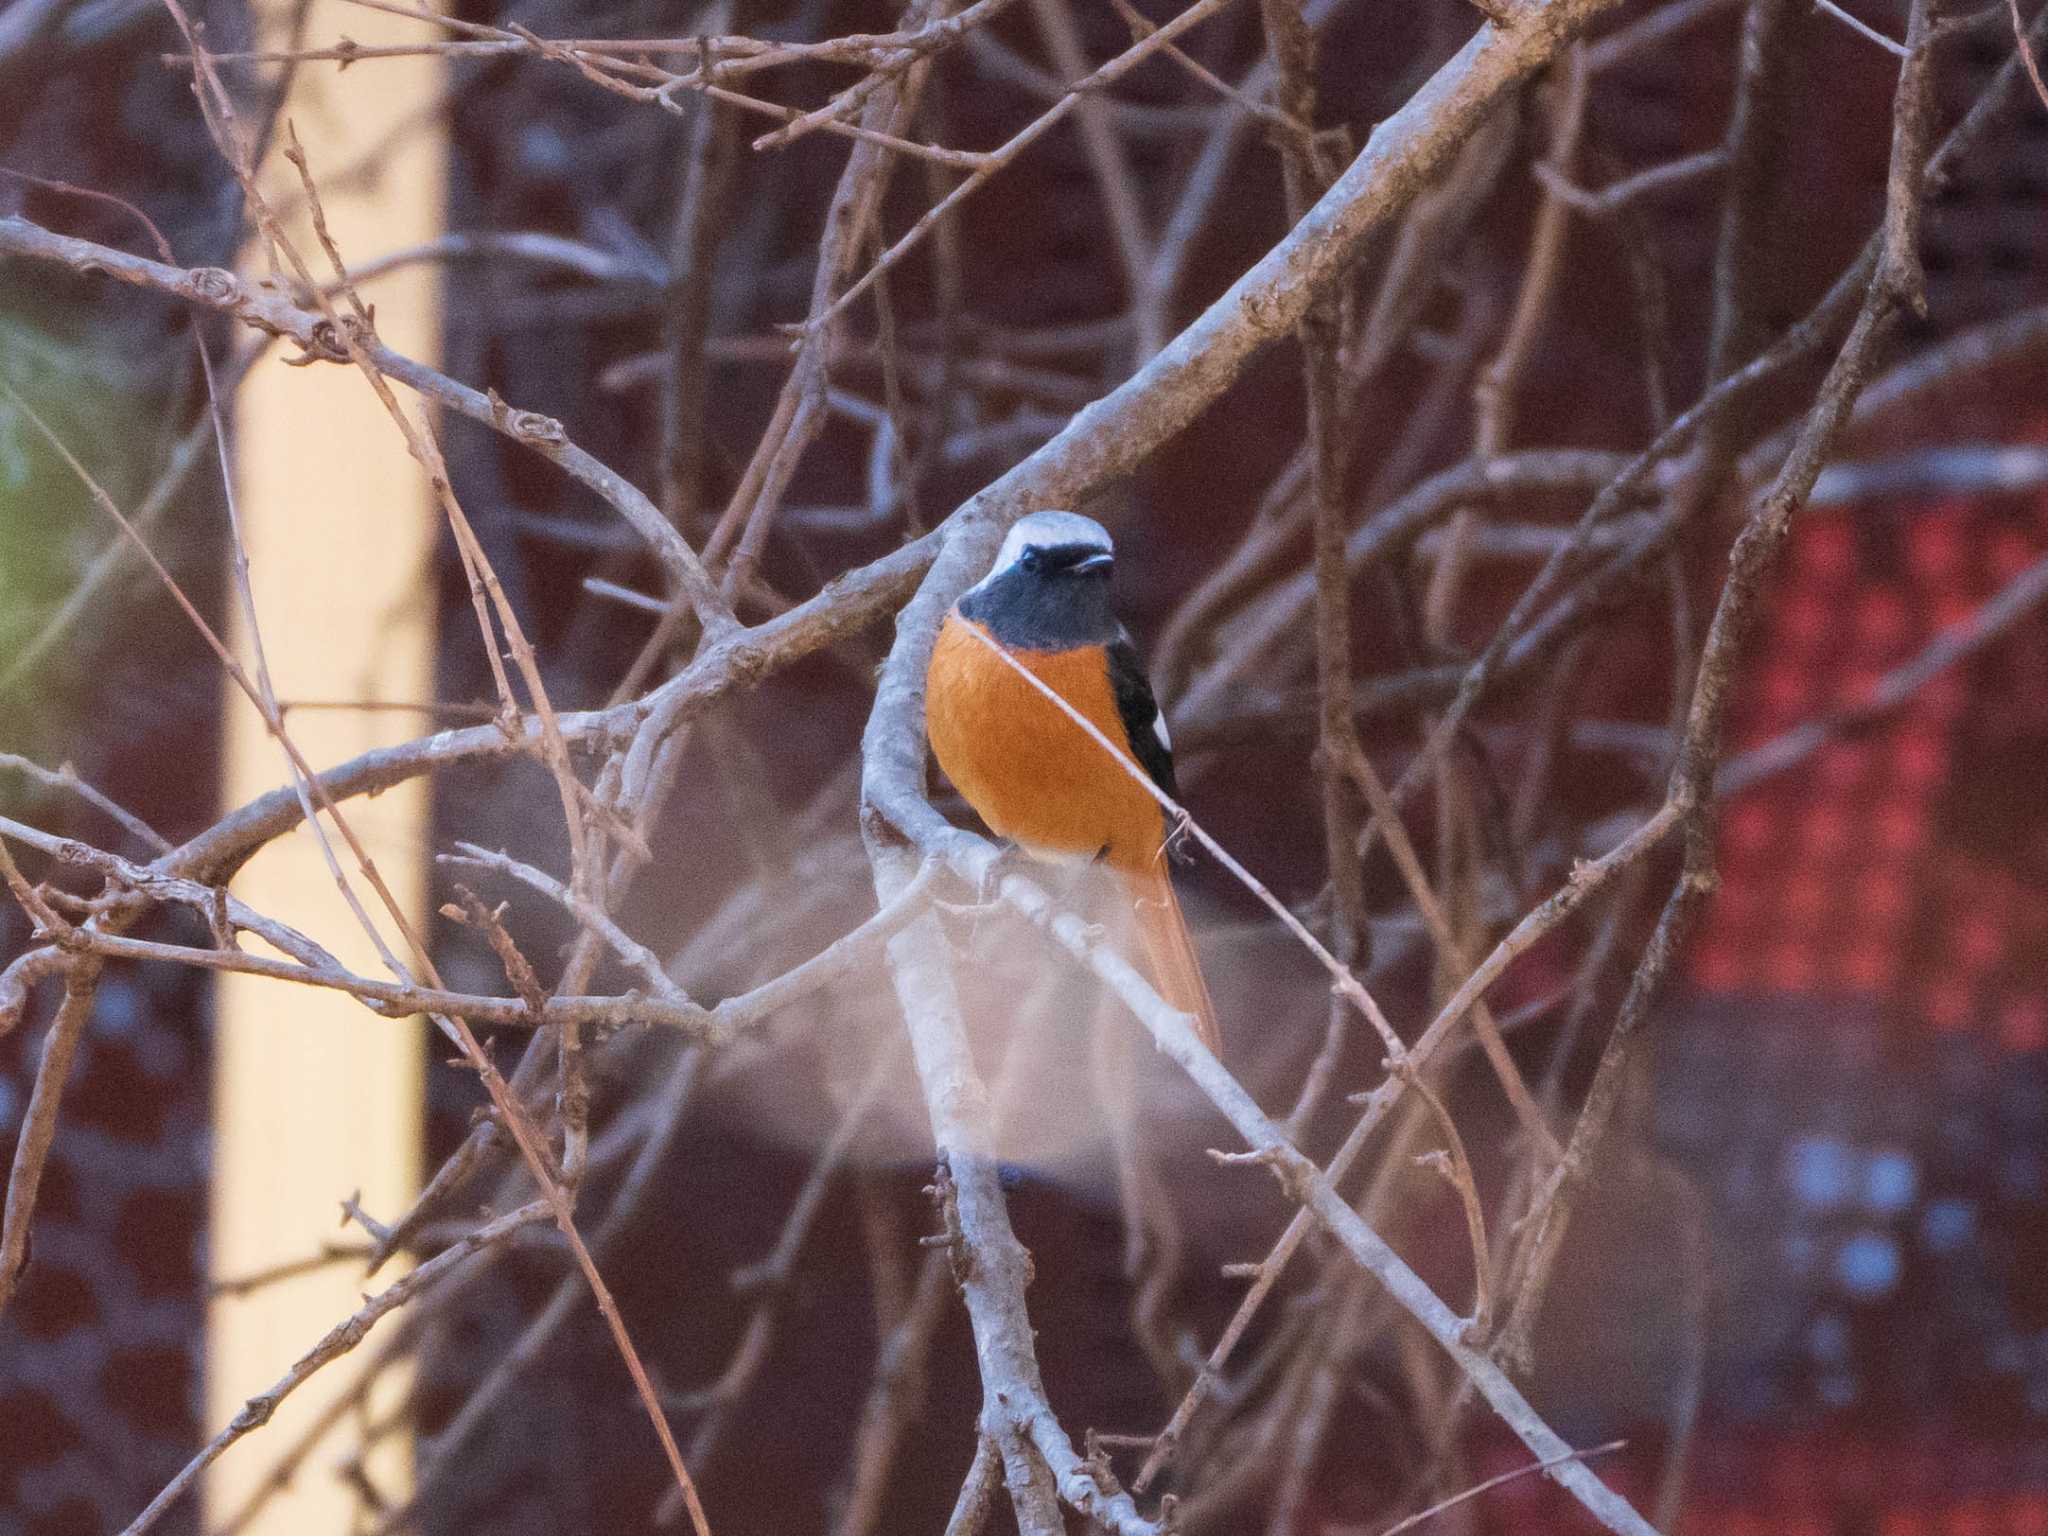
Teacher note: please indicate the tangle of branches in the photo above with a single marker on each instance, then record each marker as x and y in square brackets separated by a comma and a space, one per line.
[1410, 286]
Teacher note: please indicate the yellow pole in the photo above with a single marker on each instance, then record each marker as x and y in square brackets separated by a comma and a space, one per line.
[315, 1098]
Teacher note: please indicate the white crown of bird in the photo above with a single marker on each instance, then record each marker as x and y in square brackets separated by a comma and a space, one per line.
[1044, 530]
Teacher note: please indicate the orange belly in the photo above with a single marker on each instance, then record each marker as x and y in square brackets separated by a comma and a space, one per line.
[1034, 775]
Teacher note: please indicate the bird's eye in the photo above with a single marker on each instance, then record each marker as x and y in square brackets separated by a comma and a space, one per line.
[1031, 559]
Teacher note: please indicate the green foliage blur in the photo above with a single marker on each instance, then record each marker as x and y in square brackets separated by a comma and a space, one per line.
[106, 392]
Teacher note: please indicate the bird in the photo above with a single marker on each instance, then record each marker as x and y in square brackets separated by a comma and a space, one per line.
[1034, 775]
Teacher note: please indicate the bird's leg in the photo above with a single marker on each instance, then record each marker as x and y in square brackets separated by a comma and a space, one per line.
[984, 886]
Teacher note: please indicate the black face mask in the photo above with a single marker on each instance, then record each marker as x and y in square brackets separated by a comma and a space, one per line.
[1055, 597]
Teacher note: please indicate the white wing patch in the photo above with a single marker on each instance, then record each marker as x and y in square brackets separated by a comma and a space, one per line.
[1159, 730]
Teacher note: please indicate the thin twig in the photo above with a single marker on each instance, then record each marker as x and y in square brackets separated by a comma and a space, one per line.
[1861, 28]
[336, 1342]
[39, 1123]
[2026, 52]
[1423, 1516]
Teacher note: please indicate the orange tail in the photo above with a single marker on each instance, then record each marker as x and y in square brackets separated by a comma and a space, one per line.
[1176, 970]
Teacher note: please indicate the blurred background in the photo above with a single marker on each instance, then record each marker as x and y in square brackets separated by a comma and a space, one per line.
[1808, 1289]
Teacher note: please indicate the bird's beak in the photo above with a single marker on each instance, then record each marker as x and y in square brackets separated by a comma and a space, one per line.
[1099, 562]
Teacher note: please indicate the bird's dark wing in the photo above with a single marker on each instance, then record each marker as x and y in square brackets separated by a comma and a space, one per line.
[1140, 713]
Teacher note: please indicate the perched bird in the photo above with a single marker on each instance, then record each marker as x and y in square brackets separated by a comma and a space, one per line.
[1034, 775]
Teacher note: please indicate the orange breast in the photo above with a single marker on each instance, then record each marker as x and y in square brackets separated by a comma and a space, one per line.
[1033, 774]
